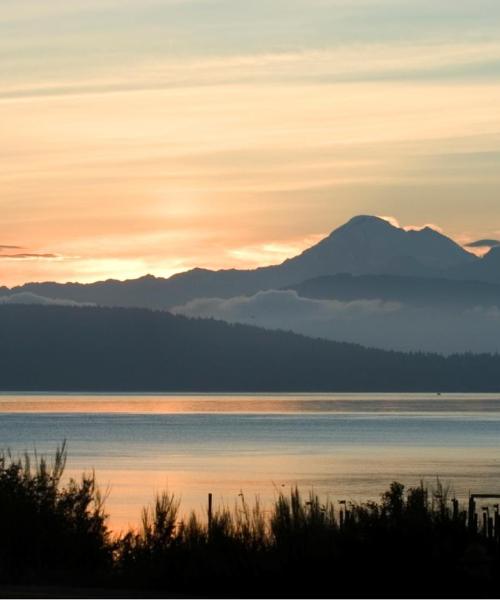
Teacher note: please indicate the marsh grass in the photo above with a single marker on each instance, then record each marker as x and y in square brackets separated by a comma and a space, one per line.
[300, 546]
[304, 544]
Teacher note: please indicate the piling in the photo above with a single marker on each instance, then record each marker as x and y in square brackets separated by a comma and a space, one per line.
[471, 519]
[210, 511]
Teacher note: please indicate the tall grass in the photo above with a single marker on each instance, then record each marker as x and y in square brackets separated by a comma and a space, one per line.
[411, 537]
[401, 545]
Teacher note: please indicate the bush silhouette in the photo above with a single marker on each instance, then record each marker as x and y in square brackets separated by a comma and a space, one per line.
[49, 530]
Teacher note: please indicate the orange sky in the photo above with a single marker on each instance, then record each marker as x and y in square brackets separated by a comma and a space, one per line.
[151, 137]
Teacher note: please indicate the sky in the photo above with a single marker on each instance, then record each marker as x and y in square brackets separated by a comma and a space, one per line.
[152, 136]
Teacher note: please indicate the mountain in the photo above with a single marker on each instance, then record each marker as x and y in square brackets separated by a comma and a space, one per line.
[486, 269]
[411, 291]
[60, 348]
[364, 245]
[369, 245]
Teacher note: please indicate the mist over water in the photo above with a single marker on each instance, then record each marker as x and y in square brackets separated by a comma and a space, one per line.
[347, 446]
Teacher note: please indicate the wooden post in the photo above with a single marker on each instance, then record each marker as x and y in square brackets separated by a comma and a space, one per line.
[472, 513]
[209, 512]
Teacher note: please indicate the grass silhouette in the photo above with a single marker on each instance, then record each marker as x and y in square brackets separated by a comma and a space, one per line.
[414, 542]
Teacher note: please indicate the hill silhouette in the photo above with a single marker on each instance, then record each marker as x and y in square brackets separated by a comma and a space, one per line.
[365, 245]
[101, 349]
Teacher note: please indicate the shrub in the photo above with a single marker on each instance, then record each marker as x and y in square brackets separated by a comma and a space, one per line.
[49, 530]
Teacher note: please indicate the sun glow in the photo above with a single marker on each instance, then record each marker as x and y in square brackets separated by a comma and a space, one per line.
[219, 152]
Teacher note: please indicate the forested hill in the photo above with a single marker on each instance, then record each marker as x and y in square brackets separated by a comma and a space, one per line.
[53, 348]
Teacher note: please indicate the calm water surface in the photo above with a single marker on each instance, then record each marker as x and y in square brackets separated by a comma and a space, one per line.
[342, 445]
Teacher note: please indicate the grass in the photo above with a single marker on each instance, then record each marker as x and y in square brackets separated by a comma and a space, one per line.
[414, 542]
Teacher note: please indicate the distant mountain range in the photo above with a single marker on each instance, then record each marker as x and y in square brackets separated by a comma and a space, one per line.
[366, 245]
[54, 348]
[368, 282]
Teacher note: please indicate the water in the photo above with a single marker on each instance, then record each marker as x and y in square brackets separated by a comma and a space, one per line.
[346, 446]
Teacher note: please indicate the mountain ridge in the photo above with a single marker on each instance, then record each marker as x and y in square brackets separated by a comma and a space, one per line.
[363, 245]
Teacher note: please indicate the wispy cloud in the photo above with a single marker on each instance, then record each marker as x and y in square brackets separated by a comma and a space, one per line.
[395, 222]
[483, 244]
[29, 298]
[30, 256]
[343, 64]
[7, 254]
[271, 253]
[433, 226]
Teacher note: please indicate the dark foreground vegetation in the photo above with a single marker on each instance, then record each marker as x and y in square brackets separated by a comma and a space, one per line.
[411, 543]
[60, 348]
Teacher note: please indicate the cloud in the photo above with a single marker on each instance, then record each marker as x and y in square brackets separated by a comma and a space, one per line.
[374, 323]
[348, 62]
[395, 223]
[490, 312]
[480, 247]
[29, 298]
[25, 255]
[29, 256]
[270, 253]
[333, 63]
[392, 220]
[424, 226]
[281, 306]
[483, 244]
